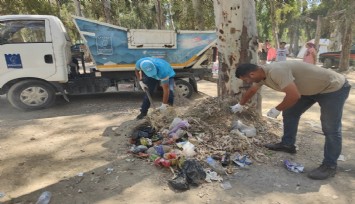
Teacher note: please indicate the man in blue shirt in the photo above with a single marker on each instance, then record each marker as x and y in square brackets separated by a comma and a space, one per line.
[150, 71]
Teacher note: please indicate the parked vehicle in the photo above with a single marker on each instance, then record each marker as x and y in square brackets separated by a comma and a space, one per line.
[40, 62]
[330, 59]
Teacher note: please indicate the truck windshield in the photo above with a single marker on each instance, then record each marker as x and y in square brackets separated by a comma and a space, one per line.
[22, 31]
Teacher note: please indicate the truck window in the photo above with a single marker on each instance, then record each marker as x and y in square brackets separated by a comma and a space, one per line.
[22, 31]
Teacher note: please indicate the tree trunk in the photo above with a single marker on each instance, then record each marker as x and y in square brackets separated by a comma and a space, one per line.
[274, 24]
[58, 7]
[335, 38]
[290, 35]
[237, 43]
[318, 32]
[347, 40]
[107, 11]
[77, 8]
[159, 13]
[199, 20]
[296, 38]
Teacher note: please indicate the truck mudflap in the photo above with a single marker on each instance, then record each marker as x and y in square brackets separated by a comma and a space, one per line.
[60, 88]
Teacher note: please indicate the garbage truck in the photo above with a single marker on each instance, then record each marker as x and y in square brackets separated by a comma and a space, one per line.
[38, 61]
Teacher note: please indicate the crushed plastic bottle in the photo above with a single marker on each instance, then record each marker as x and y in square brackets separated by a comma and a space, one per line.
[45, 198]
[293, 166]
[215, 166]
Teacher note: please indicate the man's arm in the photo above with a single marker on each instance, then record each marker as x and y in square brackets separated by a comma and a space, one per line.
[138, 74]
[166, 92]
[248, 94]
[291, 98]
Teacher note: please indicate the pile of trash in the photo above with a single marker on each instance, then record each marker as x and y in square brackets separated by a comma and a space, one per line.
[204, 142]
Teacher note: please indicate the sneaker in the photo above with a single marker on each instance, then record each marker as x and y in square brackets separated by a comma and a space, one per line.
[322, 172]
[141, 116]
[281, 147]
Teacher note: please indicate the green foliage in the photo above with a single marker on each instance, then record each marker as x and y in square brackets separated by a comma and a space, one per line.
[141, 14]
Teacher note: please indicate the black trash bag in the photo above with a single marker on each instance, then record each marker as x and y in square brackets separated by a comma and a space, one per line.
[179, 182]
[139, 134]
[194, 172]
[143, 131]
[148, 129]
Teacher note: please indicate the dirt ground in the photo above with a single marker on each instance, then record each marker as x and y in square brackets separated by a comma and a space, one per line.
[73, 151]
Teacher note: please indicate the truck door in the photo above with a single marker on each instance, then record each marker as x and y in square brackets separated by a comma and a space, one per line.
[26, 49]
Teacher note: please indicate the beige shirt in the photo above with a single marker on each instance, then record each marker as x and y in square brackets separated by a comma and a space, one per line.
[309, 79]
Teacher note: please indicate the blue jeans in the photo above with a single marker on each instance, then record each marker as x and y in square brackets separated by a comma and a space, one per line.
[152, 85]
[331, 105]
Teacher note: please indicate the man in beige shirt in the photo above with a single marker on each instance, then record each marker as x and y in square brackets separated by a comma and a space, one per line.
[304, 85]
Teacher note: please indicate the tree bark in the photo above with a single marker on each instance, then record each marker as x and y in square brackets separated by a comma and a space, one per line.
[199, 20]
[77, 8]
[274, 24]
[237, 43]
[107, 11]
[345, 53]
[318, 32]
[335, 38]
[159, 15]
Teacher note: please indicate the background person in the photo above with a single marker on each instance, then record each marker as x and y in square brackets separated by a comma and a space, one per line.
[310, 56]
[282, 52]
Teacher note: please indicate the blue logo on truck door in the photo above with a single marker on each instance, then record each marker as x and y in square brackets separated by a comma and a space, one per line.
[13, 61]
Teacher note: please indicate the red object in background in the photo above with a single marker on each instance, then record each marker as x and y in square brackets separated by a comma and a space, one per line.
[271, 54]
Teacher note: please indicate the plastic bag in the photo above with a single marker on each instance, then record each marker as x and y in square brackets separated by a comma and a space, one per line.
[248, 131]
[179, 182]
[188, 149]
[195, 174]
[191, 173]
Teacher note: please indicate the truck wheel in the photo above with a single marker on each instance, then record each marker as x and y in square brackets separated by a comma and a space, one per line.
[183, 88]
[31, 95]
[327, 63]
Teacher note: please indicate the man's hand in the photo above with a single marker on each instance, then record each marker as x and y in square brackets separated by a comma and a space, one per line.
[273, 113]
[143, 85]
[163, 107]
[237, 108]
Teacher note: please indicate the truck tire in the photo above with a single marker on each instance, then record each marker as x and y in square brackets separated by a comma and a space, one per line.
[31, 95]
[183, 88]
[328, 63]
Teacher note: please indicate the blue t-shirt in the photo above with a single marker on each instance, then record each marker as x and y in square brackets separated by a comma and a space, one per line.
[164, 70]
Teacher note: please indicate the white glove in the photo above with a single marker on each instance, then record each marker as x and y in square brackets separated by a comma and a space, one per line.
[143, 85]
[163, 107]
[273, 113]
[237, 108]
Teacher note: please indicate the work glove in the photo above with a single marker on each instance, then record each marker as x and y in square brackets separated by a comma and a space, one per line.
[163, 107]
[273, 113]
[237, 108]
[143, 85]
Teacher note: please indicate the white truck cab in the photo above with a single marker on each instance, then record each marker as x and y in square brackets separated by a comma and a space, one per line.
[34, 51]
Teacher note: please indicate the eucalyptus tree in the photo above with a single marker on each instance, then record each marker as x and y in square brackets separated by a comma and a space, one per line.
[106, 4]
[193, 14]
[237, 43]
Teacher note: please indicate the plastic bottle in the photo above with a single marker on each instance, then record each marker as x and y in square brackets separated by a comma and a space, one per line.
[215, 166]
[45, 198]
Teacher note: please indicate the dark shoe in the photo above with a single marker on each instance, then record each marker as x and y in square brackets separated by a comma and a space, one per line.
[281, 147]
[322, 172]
[141, 116]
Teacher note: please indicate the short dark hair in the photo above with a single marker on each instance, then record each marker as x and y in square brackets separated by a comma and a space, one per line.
[244, 69]
[283, 43]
